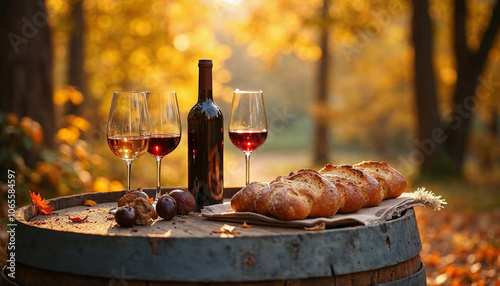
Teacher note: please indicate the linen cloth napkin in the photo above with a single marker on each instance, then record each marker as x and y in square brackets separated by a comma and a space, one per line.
[387, 210]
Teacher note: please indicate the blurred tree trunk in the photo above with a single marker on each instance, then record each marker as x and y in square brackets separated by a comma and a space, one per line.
[448, 158]
[26, 63]
[425, 88]
[494, 129]
[470, 65]
[321, 123]
[489, 143]
[76, 74]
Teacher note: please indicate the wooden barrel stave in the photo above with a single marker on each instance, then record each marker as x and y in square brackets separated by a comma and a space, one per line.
[334, 256]
[407, 273]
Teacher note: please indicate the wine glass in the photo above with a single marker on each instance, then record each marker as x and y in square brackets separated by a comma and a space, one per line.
[248, 123]
[128, 129]
[165, 124]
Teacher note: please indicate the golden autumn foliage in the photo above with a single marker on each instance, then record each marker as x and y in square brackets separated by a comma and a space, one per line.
[65, 94]
[459, 248]
[156, 44]
[139, 45]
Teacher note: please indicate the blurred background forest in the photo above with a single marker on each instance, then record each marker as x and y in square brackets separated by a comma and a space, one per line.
[414, 83]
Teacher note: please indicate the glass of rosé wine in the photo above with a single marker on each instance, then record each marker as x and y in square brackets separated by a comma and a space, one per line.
[128, 128]
[248, 123]
[165, 128]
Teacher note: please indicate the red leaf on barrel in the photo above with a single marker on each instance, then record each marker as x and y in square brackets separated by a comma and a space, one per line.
[77, 219]
[40, 203]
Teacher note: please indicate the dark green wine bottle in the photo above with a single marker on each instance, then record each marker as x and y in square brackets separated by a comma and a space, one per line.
[205, 143]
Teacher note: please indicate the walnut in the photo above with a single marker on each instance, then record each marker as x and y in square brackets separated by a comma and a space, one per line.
[130, 197]
[144, 210]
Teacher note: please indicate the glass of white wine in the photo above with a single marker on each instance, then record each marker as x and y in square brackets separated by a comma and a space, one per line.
[128, 129]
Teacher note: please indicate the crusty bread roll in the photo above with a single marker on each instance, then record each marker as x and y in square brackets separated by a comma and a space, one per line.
[324, 196]
[298, 195]
[353, 197]
[244, 200]
[289, 200]
[261, 198]
[260, 203]
[368, 186]
[391, 180]
[309, 193]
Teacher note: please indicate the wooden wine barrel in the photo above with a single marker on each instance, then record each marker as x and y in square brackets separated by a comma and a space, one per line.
[187, 251]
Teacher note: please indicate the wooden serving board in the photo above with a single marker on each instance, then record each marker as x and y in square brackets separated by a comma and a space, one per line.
[188, 251]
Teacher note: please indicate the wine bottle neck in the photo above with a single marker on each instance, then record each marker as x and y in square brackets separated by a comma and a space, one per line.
[204, 94]
[205, 80]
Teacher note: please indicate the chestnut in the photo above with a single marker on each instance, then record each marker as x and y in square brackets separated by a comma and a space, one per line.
[125, 216]
[166, 207]
[185, 201]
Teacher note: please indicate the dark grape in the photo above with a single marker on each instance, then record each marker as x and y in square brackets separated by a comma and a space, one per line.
[166, 207]
[125, 216]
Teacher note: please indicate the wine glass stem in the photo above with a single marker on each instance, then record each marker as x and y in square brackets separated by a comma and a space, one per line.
[247, 164]
[129, 169]
[158, 176]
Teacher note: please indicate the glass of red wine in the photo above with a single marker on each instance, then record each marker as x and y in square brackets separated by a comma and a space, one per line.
[248, 123]
[128, 129]
[166, 128]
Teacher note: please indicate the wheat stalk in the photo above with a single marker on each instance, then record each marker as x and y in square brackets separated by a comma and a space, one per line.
[429, 199]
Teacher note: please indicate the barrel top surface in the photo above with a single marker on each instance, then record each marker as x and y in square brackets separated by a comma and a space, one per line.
[98, 221]
[176, 250]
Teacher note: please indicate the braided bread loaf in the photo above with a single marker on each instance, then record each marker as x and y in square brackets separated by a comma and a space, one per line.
[309, 193]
